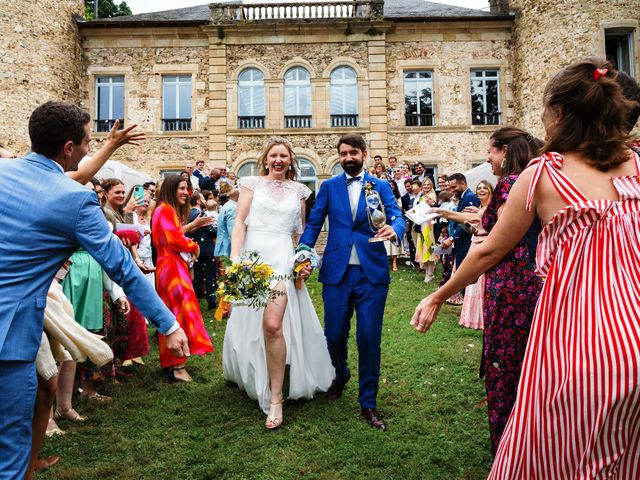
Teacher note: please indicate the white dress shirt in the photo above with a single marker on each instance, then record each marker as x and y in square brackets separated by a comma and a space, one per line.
[355, 192]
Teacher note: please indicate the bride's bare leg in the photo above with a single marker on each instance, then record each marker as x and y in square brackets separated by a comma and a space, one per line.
[275, 346]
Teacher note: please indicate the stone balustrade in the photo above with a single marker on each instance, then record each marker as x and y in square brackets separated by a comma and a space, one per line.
[235, 12]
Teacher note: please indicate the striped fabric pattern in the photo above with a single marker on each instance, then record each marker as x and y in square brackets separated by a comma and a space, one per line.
[577, 415]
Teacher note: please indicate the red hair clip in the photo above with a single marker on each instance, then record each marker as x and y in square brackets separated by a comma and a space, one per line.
[599, 72]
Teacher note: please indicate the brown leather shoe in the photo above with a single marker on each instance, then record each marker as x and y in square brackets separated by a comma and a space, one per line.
[335, 390]
[44, 463]
[374, 418]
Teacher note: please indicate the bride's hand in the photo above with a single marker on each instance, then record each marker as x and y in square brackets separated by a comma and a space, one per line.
[305, 272]
[426, 312]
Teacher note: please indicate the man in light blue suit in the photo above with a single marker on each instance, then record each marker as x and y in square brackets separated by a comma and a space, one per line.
[44, 218]
[354, 272]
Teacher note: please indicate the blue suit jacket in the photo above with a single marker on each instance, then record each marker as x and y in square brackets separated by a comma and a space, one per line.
[45, 217]
[333, 201]
[461, 237]
[226, 221]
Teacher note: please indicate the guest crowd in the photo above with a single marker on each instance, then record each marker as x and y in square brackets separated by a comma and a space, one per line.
[176, 229]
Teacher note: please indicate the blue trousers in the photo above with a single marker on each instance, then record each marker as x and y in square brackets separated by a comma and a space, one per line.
[18, 386]
[355, 292]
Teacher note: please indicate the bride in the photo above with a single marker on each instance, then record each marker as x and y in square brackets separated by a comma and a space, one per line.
[258, 344]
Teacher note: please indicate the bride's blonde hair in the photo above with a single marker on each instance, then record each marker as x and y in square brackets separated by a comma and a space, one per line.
[274, 141]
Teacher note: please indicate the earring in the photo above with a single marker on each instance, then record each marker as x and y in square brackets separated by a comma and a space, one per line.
[290, 167]
[504, 163]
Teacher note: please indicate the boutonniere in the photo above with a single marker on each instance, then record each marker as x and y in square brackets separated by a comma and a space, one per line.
[369, 185]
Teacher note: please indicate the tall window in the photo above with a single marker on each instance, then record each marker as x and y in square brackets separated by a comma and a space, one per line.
[176, 103]
[251, 99]
[109, 102]
[336, 169]
[485, 97]
[297, 98]
[248, 169]
[307, 173]
[418, 98]
[344, 98]
[619, 48]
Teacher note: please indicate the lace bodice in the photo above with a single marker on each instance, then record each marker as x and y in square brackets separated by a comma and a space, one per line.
[276, 204]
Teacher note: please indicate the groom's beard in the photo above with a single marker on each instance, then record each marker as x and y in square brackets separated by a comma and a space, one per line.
[352, 167]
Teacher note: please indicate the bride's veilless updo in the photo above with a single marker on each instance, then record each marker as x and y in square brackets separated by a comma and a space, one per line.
[593, 114]
[273, 141]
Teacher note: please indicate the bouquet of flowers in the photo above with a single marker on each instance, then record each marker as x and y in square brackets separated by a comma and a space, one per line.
[246, 282]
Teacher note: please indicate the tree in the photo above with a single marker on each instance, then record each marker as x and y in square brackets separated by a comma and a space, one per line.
[106, 9]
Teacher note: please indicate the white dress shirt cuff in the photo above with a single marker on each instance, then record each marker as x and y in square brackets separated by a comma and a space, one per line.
[171, 329]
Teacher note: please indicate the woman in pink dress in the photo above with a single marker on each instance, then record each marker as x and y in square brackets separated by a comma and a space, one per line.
[471, 313]
[577, 412]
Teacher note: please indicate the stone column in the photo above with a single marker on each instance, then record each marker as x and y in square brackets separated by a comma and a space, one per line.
[378, 143]
[217, 103]
[550, 34]
[40, 60]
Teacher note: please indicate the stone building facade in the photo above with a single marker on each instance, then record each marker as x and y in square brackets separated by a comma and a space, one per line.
[520, 42]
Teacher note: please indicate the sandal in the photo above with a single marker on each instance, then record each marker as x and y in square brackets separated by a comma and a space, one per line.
[170, 375]
[55, 431]
[275, 417]
[70, 414]
[95, 397]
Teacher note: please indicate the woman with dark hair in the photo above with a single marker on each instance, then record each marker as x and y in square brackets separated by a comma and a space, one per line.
[392, 250]
[578, 405]
[511, 287]
[187, 176]
[173, 280]
[260, 343]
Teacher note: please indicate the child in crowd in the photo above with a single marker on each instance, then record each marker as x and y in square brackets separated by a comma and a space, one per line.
[212, 211]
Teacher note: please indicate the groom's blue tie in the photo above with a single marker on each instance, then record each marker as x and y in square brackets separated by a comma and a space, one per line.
[353, 179]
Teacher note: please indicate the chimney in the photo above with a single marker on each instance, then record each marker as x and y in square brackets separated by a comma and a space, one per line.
[499, 7]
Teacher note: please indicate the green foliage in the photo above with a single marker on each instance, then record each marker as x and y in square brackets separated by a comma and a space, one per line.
[209, 429]
[106, 9]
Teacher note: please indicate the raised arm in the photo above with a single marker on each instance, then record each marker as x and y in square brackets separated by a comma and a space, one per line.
[116, 139]
[512, 225]
[240, 227]
[169, 231]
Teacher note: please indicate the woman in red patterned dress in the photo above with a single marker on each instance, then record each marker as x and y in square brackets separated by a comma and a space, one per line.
[172, 274]
[577, 411]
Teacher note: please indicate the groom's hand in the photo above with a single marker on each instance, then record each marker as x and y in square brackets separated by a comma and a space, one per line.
[386, 232]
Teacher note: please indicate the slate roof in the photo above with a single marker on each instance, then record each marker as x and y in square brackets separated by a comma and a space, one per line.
[393, 10]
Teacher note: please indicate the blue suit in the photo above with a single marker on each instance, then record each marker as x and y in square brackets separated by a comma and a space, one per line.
[44, 218]
[345, 287]
[462, 238]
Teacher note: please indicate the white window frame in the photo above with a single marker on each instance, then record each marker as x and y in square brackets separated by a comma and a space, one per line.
[252, 85]
[180, 81]
[347, 85]
[110, 85]
[418, 82]
[623, 32]
[484, 79]
[297, 86]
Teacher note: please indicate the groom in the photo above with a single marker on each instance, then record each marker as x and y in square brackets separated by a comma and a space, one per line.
[354, 273]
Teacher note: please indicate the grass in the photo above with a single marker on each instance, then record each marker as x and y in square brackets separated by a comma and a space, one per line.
[210, 430]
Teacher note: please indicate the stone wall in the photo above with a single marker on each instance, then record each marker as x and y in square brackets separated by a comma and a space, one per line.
[39, 61]
[143, 56]
[450, 51]
[550, 34]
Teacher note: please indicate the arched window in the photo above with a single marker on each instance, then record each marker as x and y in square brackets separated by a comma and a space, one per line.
[297, 98]
[307, 173]
[336, 169]
[251, 99]
[344, 97]
[248, 169]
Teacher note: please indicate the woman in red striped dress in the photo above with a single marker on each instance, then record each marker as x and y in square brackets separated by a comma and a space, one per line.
[577, 413]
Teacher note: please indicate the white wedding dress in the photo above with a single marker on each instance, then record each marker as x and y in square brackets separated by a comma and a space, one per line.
[273, 219]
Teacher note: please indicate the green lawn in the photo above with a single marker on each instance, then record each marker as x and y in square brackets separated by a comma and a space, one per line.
[210, 429]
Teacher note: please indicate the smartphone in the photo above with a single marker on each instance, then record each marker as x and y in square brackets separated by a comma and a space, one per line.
[138, 192]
